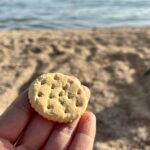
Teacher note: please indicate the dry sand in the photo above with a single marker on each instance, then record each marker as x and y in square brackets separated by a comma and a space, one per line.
[113, 63]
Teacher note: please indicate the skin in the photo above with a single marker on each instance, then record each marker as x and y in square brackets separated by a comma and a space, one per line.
[23, 129]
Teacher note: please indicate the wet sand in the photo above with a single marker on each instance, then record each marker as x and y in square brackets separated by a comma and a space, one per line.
[114, 63]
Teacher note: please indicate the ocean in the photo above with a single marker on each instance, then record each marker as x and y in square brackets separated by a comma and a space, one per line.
[39, 14]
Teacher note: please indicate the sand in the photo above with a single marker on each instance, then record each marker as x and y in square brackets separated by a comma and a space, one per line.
[114, 63]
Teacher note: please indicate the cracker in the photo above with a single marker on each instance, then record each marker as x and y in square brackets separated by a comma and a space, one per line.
[58, 97]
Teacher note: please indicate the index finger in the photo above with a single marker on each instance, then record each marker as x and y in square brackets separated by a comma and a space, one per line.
[85, 133]
[15, 118]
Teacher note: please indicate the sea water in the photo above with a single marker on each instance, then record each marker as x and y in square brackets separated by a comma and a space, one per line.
[28, 14]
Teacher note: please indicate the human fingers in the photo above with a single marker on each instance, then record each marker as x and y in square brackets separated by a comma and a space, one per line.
[85, 134]
[35, 134]
[15, 118]
[61, 136]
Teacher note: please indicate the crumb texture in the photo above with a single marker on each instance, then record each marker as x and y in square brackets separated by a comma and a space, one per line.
[58, 97]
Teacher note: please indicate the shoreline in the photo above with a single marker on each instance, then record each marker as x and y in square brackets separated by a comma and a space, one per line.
[78, 28]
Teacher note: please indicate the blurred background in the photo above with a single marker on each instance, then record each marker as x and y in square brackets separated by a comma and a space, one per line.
[106, 44]
[31, 14]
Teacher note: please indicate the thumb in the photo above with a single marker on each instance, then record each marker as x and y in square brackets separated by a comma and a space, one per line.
[6, 145]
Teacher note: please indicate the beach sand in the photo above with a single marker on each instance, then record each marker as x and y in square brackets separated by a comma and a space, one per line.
[113, 62]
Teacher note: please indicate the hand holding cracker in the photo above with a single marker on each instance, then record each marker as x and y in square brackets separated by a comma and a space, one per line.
[21, 128]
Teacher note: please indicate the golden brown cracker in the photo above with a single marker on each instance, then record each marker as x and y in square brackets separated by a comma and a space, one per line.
[58, 97]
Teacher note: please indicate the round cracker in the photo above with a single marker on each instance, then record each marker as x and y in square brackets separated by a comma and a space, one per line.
[58, 97]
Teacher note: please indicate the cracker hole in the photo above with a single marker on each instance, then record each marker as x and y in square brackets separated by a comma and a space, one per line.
[61, 93]
[53, 86]
[50, 107]
[62, 102]
[70, 95]
[70, 81]
[43, 82]
[40, 94]
[51, 95]
[79, 91]
[79, 103]
[36, 99]
[65, 87]
[66, 110]
[56, 77]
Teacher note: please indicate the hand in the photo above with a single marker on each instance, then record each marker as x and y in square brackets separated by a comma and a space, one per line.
[23, 129]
